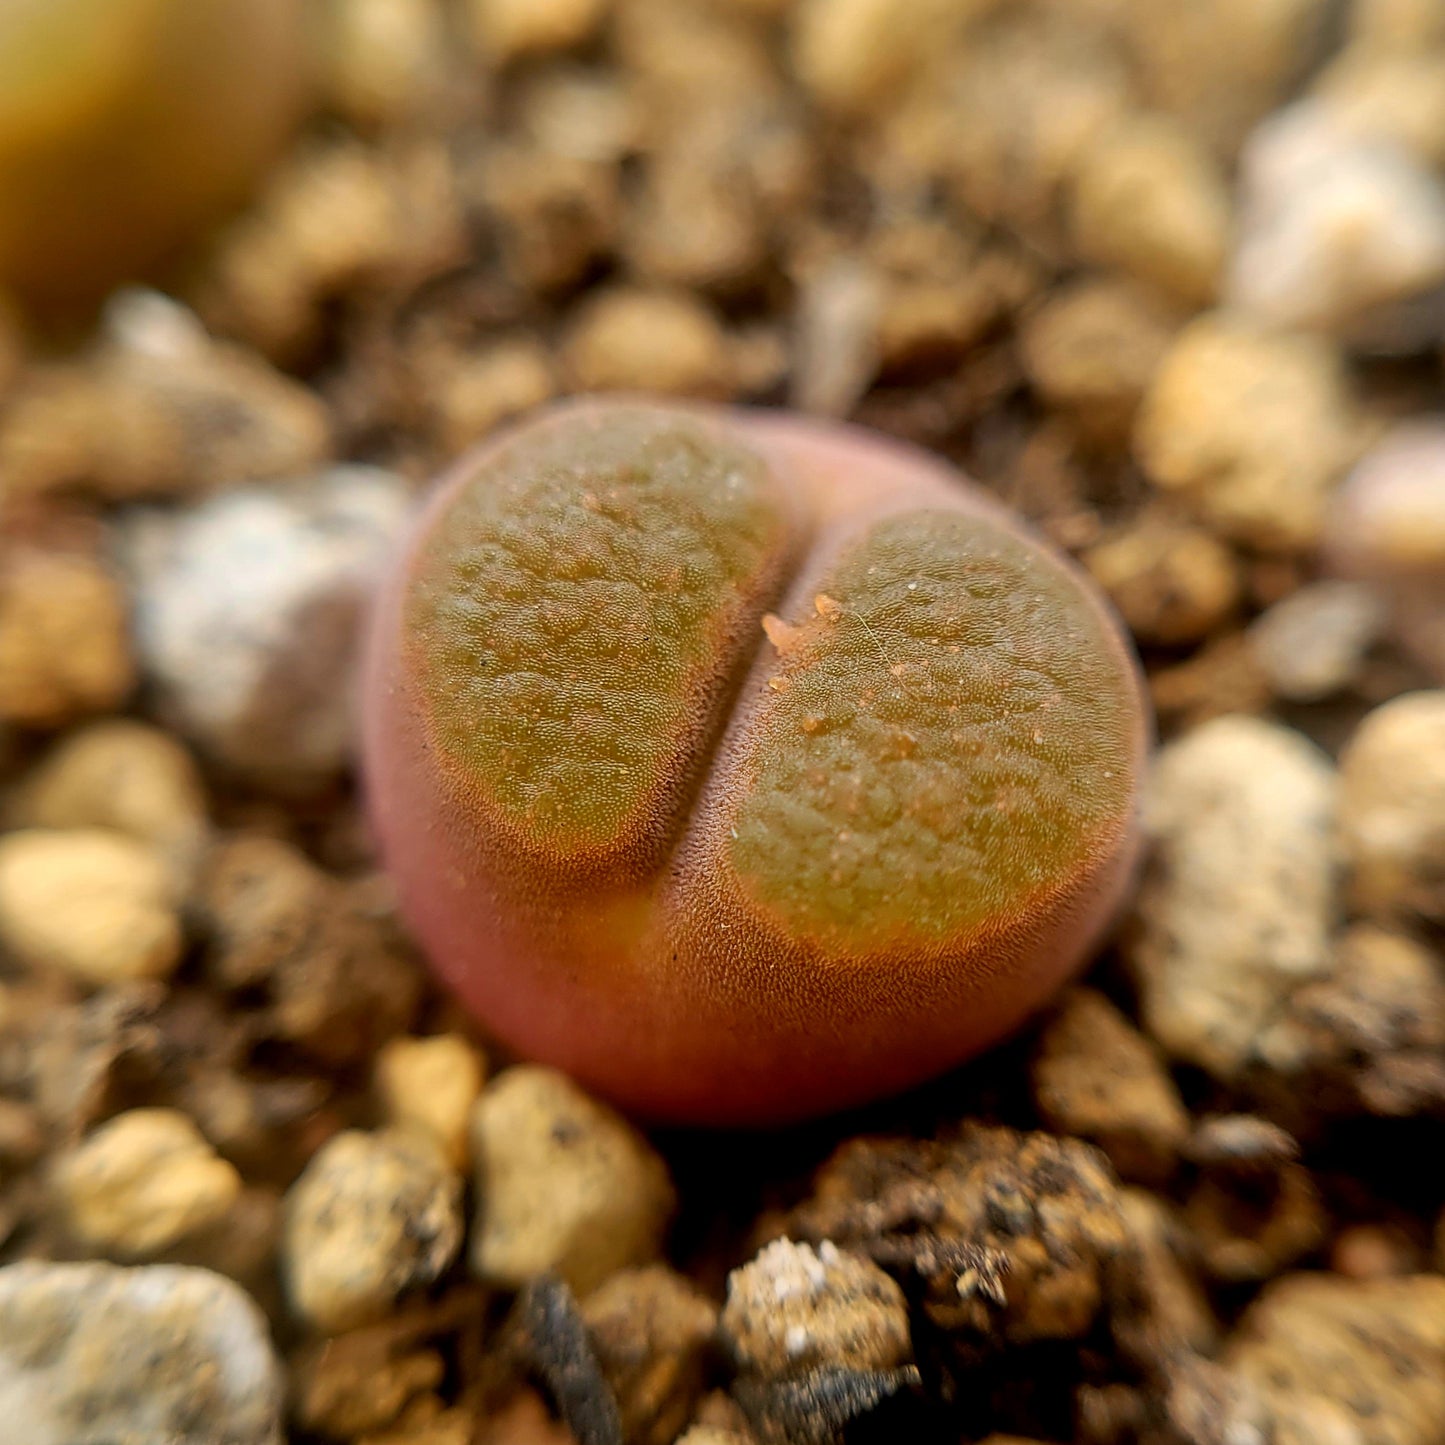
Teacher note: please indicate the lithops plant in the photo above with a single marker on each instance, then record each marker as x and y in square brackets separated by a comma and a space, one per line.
[126, 124]
[744, 766]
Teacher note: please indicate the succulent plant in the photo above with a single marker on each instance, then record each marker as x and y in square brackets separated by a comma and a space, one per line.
[125, 124]
[742, 765]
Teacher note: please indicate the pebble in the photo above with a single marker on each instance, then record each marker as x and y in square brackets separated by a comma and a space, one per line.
[1251, 429]
[94, 1354]
[1346, 1360]
[1178, 1307]
[476, 391]
[1396, 24]
[386, 61]
[1334, 227]
[652, 1331]
[1091, 349]
[1097, 1078]
[1394, 94]
[1387, 522]
[851, 54]
[64, 645]
[1149, 200]
[140, 1183]
[563, 1183]
[372, 1216]
[247, 613]
[94, 904]
[1237, 908]
[1171, 582]
[1313, 643]
[157, 409]
[628, 339]
[430, 1085]
[1392, 807]
[794, 1308]
[123, 775]
[505, 30]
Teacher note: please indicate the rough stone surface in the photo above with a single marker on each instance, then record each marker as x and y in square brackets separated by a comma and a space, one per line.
[1392, 807]
[651, 1330]
[1237, 909]
[248, 608]
[562, 1183]
[1095, 1076]
[142, 1182]
[1251, 429]
[96, 905]
[372, 1216]
[1348, 1360]
[92, 1354]
[795, 1308]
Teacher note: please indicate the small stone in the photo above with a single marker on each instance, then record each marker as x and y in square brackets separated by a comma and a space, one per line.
[1388, 519]
[386, 60]
[1219, 64]
[1091, 350]
[93, 1354]
[123, 775]
[334, 978]
[651, 1330]
[1372, 1251]
[1392, 94]
[1171, 582]
[158, 408]
[507, 29]
[372, 1216]
[1392, 807]
[1346, 1360]
[64, 648]
[247, 613]
[661, 341]
[795, 1308]
[1149, 200]
[850, 54]
[142, 1182]
[563, 1183]
[1396, 24]
[430, 1085]
[1237, 909]
[1252, 430]
[1097, 1078]
[1178, 1308]
[94, 904]
[1334, 226]
[1313, 644]
[476, 391]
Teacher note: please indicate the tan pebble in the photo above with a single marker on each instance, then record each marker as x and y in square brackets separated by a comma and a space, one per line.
[476, 391]
[1177, 1307]
[1092, 349]
[371, 1216]
[651, 1330]
[1149, 200]
[1397, 24]
[563, 1183]
[1097, 1078]
[1172, 583]
[385, 60]
[794, 1308]
[141, 1182]
[1372, 1251]
[506, 29]
[1313, 643]
[1237, 911]
[93, 904]
[1252, 429]
[850, 53]
[1392, 807]
[431, 1085]
[633, 340]
[124, 775]
[64, 648]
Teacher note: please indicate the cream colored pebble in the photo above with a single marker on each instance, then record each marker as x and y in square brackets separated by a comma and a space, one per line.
[430, 1085]
[141, 1182]
[93, 904]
